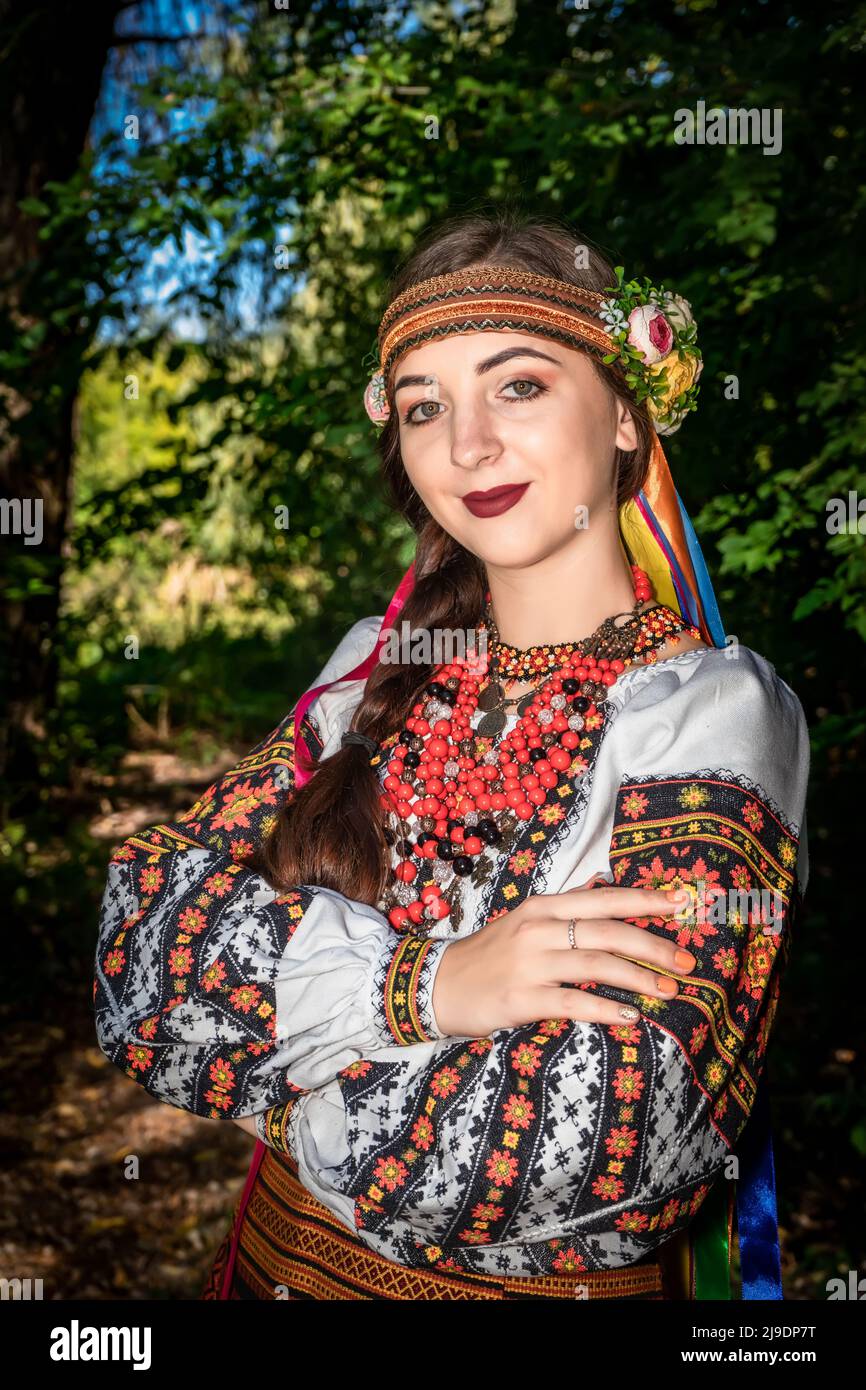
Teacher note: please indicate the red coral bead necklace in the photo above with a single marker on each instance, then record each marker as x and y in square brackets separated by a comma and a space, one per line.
[467, 797]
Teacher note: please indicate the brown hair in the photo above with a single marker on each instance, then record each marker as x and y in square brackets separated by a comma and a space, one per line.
[331, 833]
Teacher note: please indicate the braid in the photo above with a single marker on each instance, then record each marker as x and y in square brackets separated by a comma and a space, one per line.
[331, 831]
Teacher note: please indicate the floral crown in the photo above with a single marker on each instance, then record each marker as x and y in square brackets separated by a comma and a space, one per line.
[647, 330]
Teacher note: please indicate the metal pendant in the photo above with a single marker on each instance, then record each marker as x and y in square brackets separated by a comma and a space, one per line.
[524, 703]
[491, 696]
[491, 724]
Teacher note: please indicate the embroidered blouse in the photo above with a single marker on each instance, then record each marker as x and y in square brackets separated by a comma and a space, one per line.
[554, 1146]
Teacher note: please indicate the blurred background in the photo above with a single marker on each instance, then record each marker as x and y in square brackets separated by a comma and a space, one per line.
[200, 206]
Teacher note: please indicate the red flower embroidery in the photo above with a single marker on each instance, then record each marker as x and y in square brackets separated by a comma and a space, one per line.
[526, 1059]
[569, 1262]
[634, 804]
[213, 977]
[192, 920]
[139, 1058]
[621, 1143]
[245, 997]
[151, 879]
[628, 1083]
[445, 1082]
[423, 1133]
[753, 815]
[522, 862]
[391, 1173]
[241, 802]
[180, 960]
[632, 1221]
[218, 884]
[608, 1187]
[501, 1167]
[221, 1073]
[519, 1112]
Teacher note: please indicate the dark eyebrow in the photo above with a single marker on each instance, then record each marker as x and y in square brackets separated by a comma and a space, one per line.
[487, 365]
[507, 353]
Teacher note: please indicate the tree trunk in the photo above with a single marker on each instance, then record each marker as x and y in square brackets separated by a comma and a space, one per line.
[53, 56]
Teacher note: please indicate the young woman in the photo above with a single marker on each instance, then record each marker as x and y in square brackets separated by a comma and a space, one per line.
[486, 954]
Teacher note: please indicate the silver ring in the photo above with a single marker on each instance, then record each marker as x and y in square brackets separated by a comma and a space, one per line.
[571, 941]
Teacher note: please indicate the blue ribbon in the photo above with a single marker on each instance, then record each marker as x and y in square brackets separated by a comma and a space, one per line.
[705, 584]
[757, 1219]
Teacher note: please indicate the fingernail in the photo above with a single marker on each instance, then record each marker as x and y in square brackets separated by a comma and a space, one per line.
[667, 986]
[628, 1012]
[678, 895]
[685, 960]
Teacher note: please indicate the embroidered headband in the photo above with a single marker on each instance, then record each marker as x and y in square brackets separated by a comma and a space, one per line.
[647, 330]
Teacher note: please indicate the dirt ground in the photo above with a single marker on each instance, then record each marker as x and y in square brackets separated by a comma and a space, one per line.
[81, 1216]
[106, 1193]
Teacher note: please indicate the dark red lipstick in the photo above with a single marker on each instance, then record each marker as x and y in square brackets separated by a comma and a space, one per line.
[496, 501]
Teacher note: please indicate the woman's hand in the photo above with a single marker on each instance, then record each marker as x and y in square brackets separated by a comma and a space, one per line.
[514, 970]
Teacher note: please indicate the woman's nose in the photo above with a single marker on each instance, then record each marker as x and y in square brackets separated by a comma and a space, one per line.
[474, 444]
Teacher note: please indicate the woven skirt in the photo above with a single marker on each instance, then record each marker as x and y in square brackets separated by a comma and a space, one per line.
[288, 1246]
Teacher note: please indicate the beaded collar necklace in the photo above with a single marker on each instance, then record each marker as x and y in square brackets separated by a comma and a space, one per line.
[512, 664]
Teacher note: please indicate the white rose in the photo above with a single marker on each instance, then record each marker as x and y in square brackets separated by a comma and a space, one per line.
[678, 311]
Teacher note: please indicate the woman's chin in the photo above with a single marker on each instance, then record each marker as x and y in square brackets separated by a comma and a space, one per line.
[508, 552]
[516, 539]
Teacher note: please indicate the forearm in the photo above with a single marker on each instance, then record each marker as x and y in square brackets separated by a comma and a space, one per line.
[224, 997]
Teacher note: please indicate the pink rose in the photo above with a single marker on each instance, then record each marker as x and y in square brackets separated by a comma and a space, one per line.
[650, 333]
[376, 399]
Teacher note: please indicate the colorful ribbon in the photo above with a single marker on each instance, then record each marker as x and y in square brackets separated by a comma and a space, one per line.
[757, 1216]
[710, 1242]
[658, 535]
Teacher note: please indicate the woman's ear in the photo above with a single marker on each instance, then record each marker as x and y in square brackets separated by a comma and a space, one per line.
[626, 432]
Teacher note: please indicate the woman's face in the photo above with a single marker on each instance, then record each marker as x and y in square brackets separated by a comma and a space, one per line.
[509, 440]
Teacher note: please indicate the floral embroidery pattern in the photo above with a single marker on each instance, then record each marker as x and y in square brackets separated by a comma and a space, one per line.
[516, 875]
[735, 854]
[498, 1114]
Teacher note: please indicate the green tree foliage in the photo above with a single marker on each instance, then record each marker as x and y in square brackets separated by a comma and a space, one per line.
[340, 152]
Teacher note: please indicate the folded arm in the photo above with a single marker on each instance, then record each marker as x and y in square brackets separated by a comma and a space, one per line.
[587, 1145]
[224, 997]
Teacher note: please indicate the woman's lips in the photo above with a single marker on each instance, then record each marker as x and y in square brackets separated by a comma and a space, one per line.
[496, 501]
